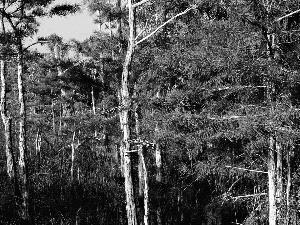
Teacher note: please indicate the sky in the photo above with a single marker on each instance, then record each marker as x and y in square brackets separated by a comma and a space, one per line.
[79, 26]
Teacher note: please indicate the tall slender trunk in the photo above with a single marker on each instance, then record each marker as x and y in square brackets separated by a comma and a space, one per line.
[25, 216]
[120, 32]
[142, 170]
[73, 155]
[158, 162]
[272, 182]
[270, 38]
[124, 119]
[7, 122]
[146, 190]
[53, 117]
[93, 101]
[288, 186]
[140, 153]
[279, 184]
[38, 142]
[10, 163]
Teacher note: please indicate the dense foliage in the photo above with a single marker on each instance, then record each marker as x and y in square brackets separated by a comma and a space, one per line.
[210, 89]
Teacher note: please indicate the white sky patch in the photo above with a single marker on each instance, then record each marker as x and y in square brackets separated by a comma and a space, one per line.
[78, 26]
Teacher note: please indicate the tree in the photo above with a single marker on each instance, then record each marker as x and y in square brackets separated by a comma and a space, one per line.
[21, 17]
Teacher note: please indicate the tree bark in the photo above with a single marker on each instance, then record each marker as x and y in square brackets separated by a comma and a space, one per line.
[272, 182]
[25, 216]
[146, 190]
[288, 186]
[141, 172]
[124, 119]
[38, 142]
[279, 184]
[73, 156]
[158, 163]
[10, 163]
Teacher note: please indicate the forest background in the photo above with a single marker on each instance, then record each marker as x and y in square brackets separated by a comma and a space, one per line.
[173, 112]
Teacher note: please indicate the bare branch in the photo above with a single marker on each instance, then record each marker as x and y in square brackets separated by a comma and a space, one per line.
[38, 42]
[239, 168]
[140, 3]
[288, 15]
[233, 184]
[165, 23]
[233, 117]
[248, 196]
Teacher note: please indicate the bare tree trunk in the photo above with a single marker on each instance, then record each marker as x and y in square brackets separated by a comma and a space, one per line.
[120, 32]
[124, 119]
[142, 170]
[146, 190]
[25, 216]
[53, 117]
[288, 186]
[10, 158]
[158, 161]
[279, 185]
[93, 101]
[38, 142]
[73, 156]
[272, 183]
[7, 124]
[140, 157]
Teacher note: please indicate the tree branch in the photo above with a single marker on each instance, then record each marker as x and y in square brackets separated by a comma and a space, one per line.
[140, 3]
[164, 24]
[248, 196]
[288, 15]
[38, 42]
[239, 168]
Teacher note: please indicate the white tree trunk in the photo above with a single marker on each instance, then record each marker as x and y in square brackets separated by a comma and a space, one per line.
[158, 162]
[288, 186]
[22, 145]
[73, 155]
[279, 184]
[6, 122]
[272, 183]
[146, 191]
[124, 119]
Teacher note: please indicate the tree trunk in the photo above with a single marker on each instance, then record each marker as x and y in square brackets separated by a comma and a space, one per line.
[279, 185]
[142, 170]
[53, 117]
[288, 186]
[25, 216]
[146, 190]
[38, 142]
[73, 156]
[10, 163]
[158, 163]
[124, 119]
[272, 183]
[120, 32]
